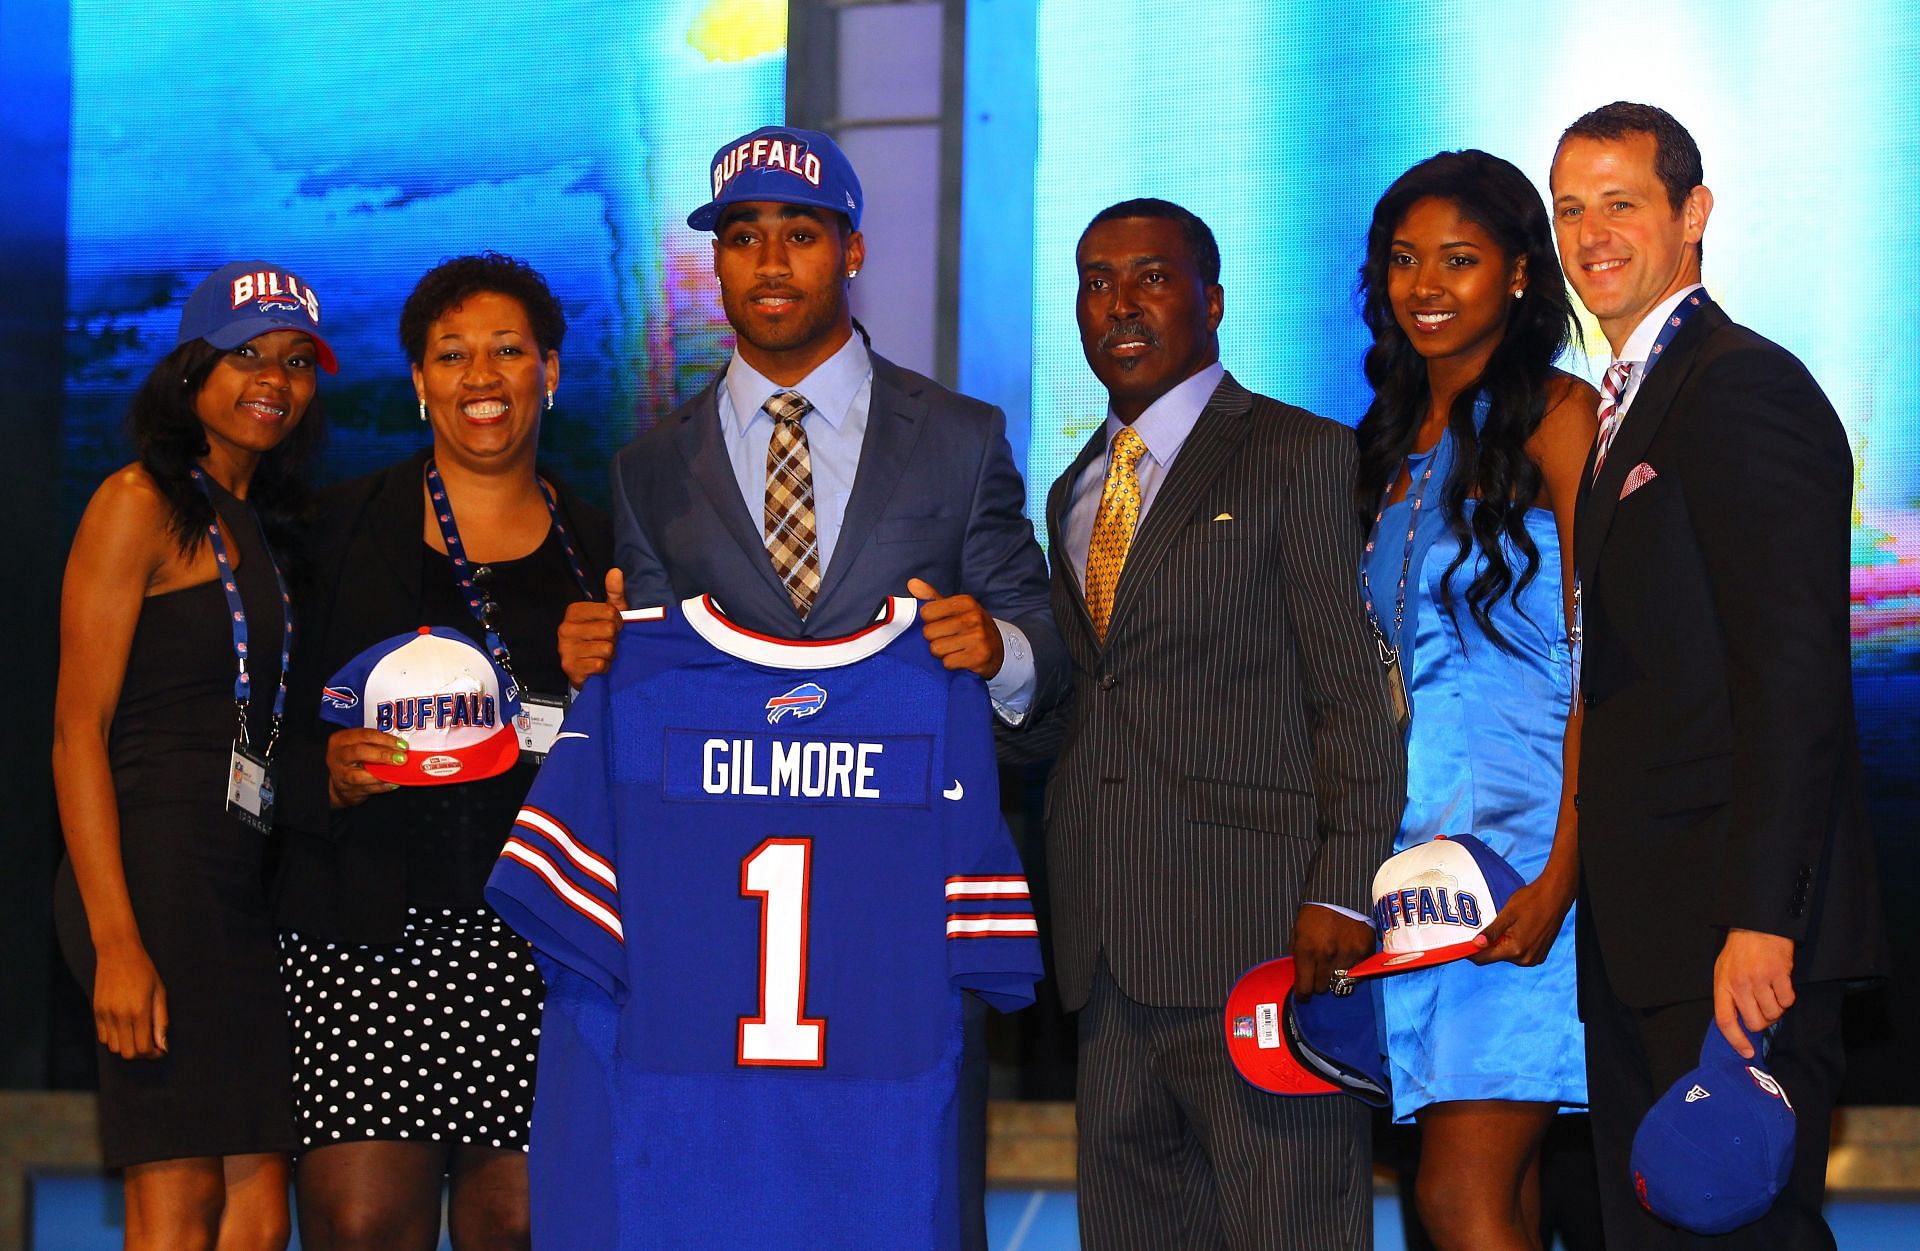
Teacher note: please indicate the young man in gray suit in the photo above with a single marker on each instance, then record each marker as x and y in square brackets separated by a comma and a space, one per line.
[813, 478]
[1230, 776]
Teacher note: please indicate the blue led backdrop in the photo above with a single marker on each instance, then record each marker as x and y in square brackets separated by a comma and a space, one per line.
[359, 144]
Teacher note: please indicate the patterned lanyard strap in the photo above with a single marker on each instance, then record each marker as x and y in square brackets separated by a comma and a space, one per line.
[478, 604]
[1392, 642]
[242, 688]
[1682, 313]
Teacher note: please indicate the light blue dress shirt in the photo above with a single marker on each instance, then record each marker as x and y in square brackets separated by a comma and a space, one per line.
[1164, 428]
[841, 392]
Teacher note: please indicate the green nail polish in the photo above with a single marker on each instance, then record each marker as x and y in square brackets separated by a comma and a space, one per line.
[399, 757]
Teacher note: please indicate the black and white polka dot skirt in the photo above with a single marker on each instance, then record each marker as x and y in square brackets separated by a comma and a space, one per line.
[432, 1039]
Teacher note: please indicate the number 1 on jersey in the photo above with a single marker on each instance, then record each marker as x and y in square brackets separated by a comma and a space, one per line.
[779, 872]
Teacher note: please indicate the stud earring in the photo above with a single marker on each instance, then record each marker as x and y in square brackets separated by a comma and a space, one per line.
[1521, 292]
[549, 401]
[853, 273]
[423, 410]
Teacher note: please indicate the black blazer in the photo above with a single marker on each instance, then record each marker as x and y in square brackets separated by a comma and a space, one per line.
[1719, 772]
[1229, 752]
[936, 496]
[342, 875]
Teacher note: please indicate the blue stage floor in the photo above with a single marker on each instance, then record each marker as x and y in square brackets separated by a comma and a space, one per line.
[81, 1212]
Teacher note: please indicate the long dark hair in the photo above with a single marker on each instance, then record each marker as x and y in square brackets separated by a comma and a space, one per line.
[1517, 379]
[167, 436]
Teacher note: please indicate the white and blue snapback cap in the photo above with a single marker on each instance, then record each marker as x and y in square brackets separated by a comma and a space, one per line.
[441, 692]
[1432, 900]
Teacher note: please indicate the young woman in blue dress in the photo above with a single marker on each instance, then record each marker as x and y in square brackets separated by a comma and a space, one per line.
[1471, 457]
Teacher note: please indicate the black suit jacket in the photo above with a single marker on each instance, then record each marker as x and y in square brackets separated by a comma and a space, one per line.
[936, 496]
[1230, 751]
[342, 875]
[1719, 773]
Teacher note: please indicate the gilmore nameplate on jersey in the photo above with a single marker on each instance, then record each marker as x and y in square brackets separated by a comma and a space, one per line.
[892, 772]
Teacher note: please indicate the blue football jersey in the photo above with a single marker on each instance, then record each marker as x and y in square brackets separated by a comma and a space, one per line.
[768, 869]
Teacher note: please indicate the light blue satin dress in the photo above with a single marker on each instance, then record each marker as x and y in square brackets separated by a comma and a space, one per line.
[1483, 757]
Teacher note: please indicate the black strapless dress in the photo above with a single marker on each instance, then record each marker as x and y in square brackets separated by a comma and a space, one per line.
[197, 880]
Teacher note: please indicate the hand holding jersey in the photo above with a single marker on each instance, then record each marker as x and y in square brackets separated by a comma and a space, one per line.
[959, 631]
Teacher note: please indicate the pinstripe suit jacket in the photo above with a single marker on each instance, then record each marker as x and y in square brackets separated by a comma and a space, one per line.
[1230, 752]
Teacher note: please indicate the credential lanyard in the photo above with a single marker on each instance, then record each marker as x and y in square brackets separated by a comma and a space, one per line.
[463, 568]
[242, 690]
[1682, 313]
[1392, 642]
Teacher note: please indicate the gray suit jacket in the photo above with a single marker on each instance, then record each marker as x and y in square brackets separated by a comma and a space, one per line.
[1229, 752]
[936, 496]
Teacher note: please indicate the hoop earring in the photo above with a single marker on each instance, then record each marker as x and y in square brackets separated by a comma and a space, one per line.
[423, 410]
[549, 401]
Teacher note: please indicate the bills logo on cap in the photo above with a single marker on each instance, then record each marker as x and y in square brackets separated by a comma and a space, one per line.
[802, 701]
[785, 152]
[271, 289]
[246, 299]
[1432, 899]
[442, 693]
[783, 165]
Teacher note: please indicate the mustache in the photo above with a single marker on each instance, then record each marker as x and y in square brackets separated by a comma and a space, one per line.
[1130, 330]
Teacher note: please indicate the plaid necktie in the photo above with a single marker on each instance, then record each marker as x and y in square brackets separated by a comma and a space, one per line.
[1610, 415]
[792, 538]
[1113, 526]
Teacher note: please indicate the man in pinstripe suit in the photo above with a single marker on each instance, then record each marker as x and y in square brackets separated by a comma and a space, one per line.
[1230, 775]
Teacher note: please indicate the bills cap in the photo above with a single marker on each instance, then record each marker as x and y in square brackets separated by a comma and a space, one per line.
[245, 300]
[1432, 899]
[786, 165]
[441, 692]
[1329, 1045]
[1714, 1152]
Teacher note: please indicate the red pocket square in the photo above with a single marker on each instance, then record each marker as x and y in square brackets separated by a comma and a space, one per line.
[1639, 476]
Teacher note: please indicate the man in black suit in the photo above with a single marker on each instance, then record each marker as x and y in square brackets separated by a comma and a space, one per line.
[1725, 863]
[1230, 775]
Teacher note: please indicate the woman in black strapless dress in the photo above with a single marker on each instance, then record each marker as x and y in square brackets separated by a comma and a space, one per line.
[159, 730]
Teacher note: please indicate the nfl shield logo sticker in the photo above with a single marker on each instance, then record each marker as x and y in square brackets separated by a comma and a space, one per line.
[802, 701]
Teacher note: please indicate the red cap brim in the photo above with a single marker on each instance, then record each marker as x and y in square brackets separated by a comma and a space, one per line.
[1273, 1067]
[1384, 962]
[488, 758]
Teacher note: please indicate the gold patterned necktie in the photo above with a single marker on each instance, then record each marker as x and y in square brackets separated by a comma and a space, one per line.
[1113, 526]
[793, 540]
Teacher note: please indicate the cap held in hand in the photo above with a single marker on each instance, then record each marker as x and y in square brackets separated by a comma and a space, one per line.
[1432, 900]
[438, 690]
[1329, 1045]
[1715, 1151]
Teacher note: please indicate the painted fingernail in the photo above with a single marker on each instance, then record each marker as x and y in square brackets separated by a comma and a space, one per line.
[393, 786]
[403, 743]
[399, 757]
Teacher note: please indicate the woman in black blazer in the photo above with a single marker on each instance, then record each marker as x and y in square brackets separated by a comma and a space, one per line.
[415, 1012]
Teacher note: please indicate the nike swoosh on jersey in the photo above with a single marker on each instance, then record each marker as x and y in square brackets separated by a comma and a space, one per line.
[955, 791]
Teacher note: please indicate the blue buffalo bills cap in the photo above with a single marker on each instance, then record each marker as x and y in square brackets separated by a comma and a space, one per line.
[1329, 1045]
[1714, 1152]
[247, 299]
[442, 693]
[786, 165]
[1432, 900]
